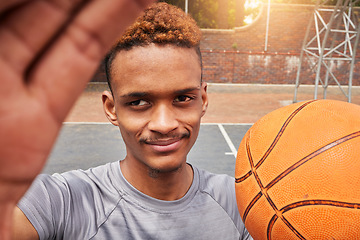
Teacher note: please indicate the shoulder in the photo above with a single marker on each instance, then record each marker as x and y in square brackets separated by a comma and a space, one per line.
[75, 181]
[97, 174]
[221, 188]
[56, 202]
[92, 187]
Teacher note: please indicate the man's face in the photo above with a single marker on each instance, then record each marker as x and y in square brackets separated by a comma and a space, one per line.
[158, 101]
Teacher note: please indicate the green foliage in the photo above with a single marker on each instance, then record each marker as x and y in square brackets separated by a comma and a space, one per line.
[252, 11]
[204, 12]
[232, 12]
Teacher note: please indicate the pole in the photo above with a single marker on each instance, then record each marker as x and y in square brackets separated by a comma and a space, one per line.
[267, 26]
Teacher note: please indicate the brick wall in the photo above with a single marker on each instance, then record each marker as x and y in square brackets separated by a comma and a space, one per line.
[239, 55]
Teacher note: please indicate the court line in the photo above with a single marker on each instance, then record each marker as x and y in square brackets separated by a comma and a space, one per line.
[228, 140]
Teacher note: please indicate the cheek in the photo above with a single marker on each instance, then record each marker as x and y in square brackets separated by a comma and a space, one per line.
[130, 126]
[192, 116]
[191, 122]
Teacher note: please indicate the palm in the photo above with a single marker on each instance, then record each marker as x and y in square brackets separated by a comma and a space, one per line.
[48, 52]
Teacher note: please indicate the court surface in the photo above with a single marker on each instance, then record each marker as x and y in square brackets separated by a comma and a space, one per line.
[85, 145]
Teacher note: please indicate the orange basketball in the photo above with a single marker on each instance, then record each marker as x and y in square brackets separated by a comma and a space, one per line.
[298, 173]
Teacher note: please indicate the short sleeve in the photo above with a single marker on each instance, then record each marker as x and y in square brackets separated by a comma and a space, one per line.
[47, 214]
[56, 204]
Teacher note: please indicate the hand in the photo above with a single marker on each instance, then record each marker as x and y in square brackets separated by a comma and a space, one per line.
[49, 49]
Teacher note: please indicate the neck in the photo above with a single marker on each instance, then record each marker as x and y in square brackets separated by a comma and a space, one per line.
[168, 186]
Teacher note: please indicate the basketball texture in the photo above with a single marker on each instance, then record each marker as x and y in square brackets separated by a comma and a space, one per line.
[298, 173]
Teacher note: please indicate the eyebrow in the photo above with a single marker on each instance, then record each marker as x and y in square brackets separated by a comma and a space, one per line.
[135, 94]
[143, 94]
[186, 90]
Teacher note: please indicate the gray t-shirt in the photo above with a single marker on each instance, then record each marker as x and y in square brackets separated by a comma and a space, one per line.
[100, 204]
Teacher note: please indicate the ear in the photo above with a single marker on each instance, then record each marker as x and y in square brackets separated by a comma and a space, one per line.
[109, 107]
[204, 97]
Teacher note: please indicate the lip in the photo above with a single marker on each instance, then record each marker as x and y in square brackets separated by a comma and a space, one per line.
[165, 145]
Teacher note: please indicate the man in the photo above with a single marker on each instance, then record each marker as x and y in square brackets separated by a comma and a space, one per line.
[157, 100]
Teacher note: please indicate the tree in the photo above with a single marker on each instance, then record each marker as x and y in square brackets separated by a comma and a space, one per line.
[214, 13]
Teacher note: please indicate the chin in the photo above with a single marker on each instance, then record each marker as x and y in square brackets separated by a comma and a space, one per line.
[167, 166]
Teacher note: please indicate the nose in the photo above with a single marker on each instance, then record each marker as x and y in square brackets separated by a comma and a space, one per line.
[163, 119]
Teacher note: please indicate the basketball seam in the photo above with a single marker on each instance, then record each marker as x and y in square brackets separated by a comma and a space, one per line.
[320, 202]
[312, 155]
[272, 223]
[282, 129]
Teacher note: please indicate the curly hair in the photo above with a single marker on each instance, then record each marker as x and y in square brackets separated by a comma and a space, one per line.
[160, 24]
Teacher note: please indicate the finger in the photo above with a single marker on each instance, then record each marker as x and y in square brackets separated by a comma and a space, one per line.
[77, 53]
[26, 30]
[9, 4]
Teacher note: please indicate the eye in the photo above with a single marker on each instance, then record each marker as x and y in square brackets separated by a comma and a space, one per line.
[183, 98]
[138, 103]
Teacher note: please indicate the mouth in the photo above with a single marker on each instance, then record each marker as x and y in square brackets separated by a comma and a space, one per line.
[165, 145]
